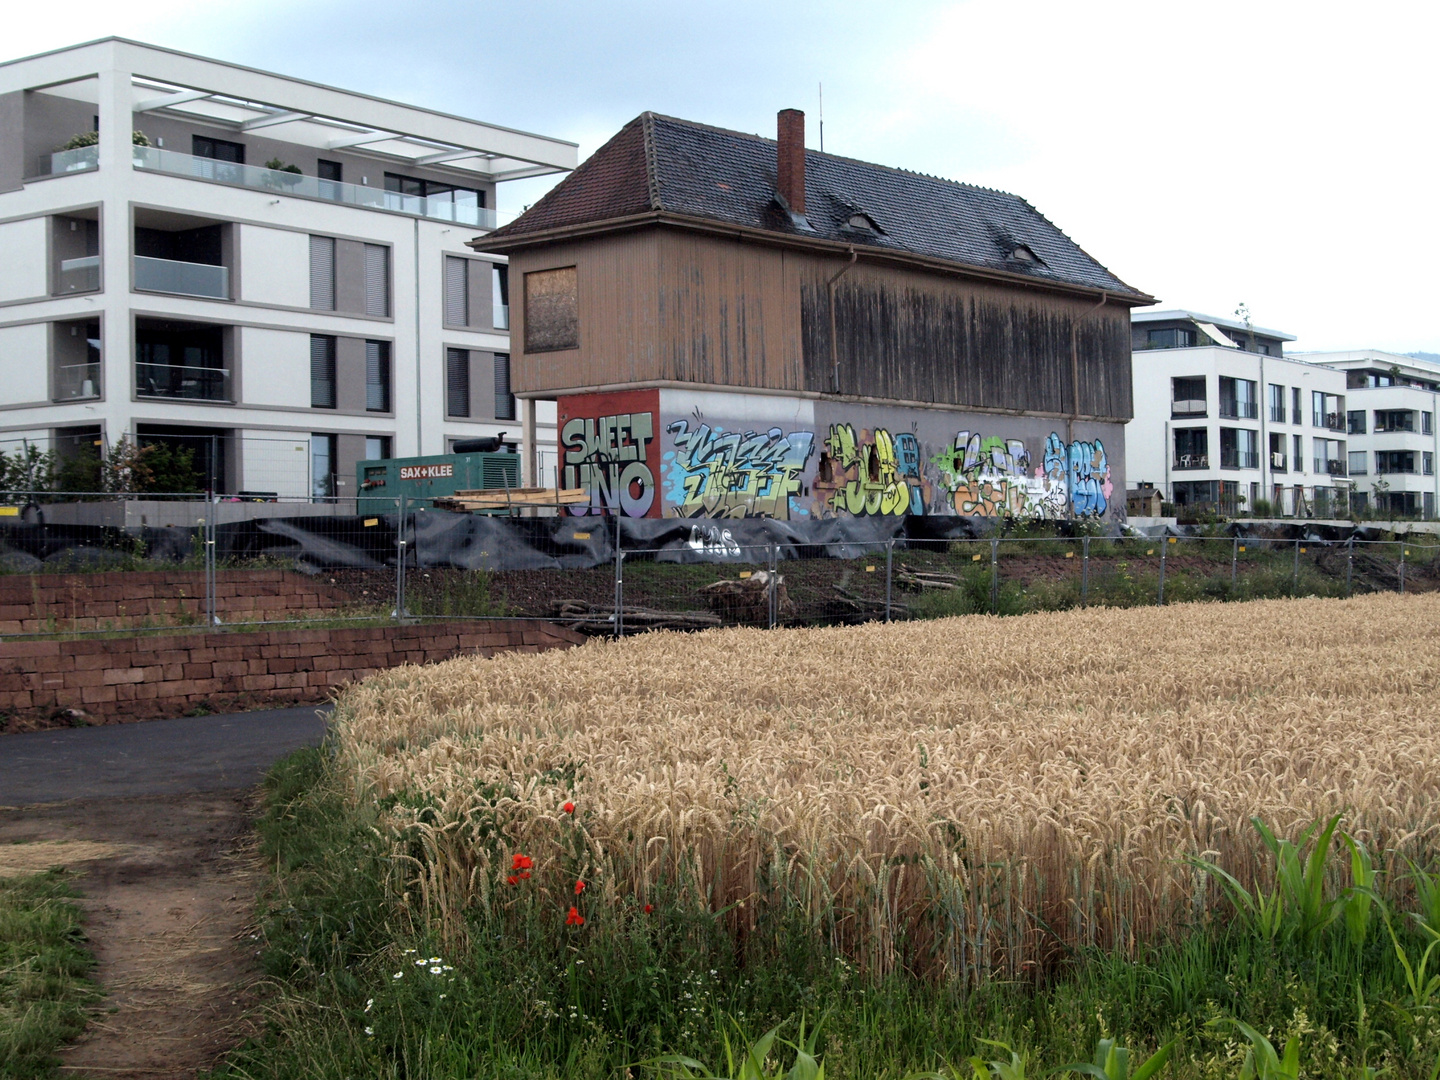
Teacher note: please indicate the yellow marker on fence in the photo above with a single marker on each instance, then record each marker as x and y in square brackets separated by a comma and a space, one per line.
[9, 511]
[1302, 551]
[744, 573]
[869, 569]
[1242, 547]
[581, 536]
[1407, 552]
[1149, 551]
[1069, 554]
[1172, 539]
[371, 521]
[974, 558]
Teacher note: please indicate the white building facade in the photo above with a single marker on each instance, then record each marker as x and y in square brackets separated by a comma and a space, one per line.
[1393, 444]
[1226, 423]
[268, 272]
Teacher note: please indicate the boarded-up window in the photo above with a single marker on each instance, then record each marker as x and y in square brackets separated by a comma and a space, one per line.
[322, 273]
[504, 400]
[552, 316]
[377, 280]
[457, 304]
[457, 382]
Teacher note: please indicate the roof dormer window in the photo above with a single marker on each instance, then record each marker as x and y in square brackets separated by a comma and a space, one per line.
[861, 221]
[1023, 254]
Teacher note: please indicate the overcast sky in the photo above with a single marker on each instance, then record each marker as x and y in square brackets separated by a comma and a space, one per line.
[1279, 154]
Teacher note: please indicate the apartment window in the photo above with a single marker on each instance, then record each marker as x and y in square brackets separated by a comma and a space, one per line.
[1174, 338]
[1192, 448]
[1325, 411]
[1394, 461]
[1427, 423]
[1355, 422]
[322, 273]
[1427, 463]
[75, 354]
[433, 189]
[1298, 456]
[377, 447]
[330, 170]
[552, 310]
[500, 295]
[322, 466]
[1394, 420]
[1277, 404]
[457, 291]
[1277, 452]
[377, 376]
[377, 280]
[1238, 399]
[322, 371]
[1187, 395]
[1429, 505]
[1239, 449]
[1359, 466]
[218, 149]
[457, 382]
[180, 360]
[1330, 457]
[504, 400]
[1262, 349]
[1295, 412]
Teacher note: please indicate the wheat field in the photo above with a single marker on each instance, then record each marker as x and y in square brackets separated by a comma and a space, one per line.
[964, 797]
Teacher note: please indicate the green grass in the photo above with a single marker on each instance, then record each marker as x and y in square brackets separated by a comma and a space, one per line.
[533, 997]
[44, 973]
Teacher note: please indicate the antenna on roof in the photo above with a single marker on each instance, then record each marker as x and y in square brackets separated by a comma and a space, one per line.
[822, 117]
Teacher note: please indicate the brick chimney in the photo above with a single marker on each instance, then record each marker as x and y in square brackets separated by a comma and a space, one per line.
[791, 139]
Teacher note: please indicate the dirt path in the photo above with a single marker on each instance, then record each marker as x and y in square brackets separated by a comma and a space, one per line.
[169, 884]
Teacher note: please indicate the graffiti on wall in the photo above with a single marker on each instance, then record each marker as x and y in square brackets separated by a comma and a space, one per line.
[993, 477]
[724, 474]
[1090, 478]
[868, 473]
[607, 456]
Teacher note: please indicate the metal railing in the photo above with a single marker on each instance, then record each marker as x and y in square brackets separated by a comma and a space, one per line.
[182, 278]
[178, 381]
[1239, 410]
[1239, 459]
[439, 208]
[1189, 407]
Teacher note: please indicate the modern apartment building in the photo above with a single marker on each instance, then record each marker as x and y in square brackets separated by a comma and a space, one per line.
[1390, 429]
[1225, 421]
[270, 272]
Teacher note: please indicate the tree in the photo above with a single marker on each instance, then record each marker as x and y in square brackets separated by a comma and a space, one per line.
[27, 469]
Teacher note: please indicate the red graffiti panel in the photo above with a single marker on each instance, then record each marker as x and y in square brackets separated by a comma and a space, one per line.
[610, 446]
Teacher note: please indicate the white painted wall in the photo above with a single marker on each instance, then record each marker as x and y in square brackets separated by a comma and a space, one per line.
[274, 266]
[23, 363]
[274, 367]
[277, 461]
[23, 250]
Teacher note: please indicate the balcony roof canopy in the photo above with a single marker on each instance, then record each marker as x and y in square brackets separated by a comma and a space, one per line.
[240, 99]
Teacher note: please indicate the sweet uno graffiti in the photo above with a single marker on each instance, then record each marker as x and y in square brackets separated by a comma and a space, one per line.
[715, 473]
[607, 456]
[866, 473]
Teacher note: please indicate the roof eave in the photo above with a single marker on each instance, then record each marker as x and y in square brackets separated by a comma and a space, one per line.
[506, 244]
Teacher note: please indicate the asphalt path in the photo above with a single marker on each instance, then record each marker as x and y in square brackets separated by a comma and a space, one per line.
[155, 757]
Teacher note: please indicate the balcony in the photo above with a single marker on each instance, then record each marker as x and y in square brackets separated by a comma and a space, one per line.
[1278, 462]
[182, 278]
[1332, 421]
[1239, 459]
[78, 275]
[1331, 467]
[1191, 461]
[502, 317]
[184, 383]
[81, 159]
[153, 159]
[1239, 410]
[1189, 407]
[77, 382]
[1277, 414]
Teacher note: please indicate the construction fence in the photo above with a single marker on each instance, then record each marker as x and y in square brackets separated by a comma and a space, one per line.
[120, 565]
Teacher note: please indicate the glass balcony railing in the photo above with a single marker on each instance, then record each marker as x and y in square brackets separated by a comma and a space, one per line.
[176, 381]
[502, 316]
[184, 278]
[75, 382]
[1188, 407]
[77, 275]
[439, 208]
[1239, 459]
[81, 159]
[1231, 409]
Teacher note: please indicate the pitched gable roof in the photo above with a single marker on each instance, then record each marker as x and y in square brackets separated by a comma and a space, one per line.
[663, 166]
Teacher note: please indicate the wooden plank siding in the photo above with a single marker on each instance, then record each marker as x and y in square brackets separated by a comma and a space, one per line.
[666, 305]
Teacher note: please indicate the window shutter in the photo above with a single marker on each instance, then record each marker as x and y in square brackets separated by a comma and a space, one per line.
[457, 301]
[504, 401]
[377, 280]
[457, 382]
[322, 372]
[377, 376]
[322, 273]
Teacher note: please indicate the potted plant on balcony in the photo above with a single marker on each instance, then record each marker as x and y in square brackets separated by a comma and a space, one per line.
[279, 175]
[92, 138]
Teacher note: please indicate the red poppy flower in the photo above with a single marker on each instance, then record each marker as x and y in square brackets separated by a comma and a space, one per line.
[521, 862]
[649, 908]
[574, 918]
[513, 880]
[525, 874]
[569, 808]
[579, 887]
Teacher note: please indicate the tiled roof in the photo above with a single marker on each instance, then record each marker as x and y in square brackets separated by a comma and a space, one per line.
[658, 163]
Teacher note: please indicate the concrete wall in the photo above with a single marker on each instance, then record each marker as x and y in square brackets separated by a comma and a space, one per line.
[682, 453]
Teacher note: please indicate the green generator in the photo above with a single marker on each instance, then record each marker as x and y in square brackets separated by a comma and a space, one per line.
[419, 479]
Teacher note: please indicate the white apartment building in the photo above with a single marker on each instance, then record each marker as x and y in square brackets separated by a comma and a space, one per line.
[271, 272]
[1225, 422]
[1393, 444]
